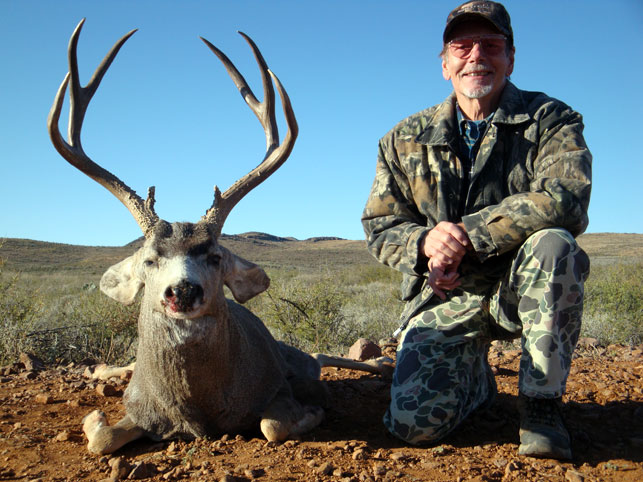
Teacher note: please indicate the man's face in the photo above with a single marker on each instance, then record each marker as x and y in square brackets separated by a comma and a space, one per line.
[482, 74]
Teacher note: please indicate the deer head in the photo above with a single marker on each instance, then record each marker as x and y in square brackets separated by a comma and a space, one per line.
[183, 261]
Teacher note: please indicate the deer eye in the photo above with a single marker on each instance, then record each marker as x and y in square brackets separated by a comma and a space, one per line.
[149, 263]
[214, 260]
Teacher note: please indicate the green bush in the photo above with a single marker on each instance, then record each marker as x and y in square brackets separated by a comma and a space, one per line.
[613, 311]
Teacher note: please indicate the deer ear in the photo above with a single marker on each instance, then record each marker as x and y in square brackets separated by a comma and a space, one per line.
[121, 281]
[245, 279]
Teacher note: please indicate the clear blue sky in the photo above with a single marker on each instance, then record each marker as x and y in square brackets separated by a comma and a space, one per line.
[167, 114]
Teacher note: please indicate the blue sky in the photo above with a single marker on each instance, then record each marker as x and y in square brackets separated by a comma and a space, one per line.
[166, 113]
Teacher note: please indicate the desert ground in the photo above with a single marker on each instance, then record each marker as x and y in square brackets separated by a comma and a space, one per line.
[41, 412]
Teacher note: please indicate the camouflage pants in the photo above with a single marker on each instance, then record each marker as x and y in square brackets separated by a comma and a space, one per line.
[442, 373]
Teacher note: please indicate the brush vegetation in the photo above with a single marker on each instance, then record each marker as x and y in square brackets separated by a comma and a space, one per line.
[325, 293]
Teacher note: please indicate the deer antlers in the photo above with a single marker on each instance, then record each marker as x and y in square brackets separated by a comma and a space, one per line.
[143, 210]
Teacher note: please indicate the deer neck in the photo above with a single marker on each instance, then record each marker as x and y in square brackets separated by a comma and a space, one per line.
[175, 344]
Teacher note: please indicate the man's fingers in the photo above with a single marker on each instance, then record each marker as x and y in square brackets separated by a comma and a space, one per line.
[455, 231]
[446, 241]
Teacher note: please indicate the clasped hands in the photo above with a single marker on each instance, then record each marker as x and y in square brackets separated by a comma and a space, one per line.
[445, 245]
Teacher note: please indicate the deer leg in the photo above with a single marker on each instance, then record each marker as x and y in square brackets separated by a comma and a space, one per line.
[105, 439]
[104, 372]
[380, 366]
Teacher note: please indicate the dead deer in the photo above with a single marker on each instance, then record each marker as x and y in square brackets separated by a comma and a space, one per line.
[205, 364]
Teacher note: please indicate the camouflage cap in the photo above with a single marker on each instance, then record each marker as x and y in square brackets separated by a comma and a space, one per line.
[493, 12]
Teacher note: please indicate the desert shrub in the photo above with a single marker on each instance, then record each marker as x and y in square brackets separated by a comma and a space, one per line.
[325, 312]
[19, 314]
[373, 309]
[87, 324]
[60, 319]
[613, 311]
[306, 314]
[368, 274]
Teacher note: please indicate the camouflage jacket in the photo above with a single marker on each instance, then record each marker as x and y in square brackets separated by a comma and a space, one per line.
[532, 171]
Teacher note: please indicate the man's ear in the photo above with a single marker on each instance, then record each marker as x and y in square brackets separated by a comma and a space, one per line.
[245, 279]
[445, 67]
[512, 57]
[122, 281]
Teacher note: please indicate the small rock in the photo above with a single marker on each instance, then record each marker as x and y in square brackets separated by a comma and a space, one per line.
[172, 448]
[364, 349]
[31, 362]
[63, 436]
[379, 470]
[29, 375]
[325, 469]
[573, 476]
[587, 342]
[397, 456]
[120, 468]
[359, 454]
[44, 398]
[511, 467]
[253, 473]
[106, 390]
[142, 470]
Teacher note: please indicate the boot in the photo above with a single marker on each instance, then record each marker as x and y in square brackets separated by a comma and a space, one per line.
[542, 431]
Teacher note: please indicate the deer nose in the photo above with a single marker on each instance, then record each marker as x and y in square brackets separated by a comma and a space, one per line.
[183, 296]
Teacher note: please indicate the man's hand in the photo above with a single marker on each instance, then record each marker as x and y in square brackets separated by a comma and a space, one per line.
[445, 246]
[446, 243]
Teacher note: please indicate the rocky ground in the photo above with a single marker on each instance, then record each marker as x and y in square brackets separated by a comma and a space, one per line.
[41, 438]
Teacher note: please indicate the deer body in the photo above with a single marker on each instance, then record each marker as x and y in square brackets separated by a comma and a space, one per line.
[205, 365]
[200, 378]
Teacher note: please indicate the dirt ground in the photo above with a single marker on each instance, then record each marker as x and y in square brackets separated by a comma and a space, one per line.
[41, 437]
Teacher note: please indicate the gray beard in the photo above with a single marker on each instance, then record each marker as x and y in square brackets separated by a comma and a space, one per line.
[478, 93]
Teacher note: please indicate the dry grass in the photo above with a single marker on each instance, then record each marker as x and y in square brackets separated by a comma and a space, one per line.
[325, 293]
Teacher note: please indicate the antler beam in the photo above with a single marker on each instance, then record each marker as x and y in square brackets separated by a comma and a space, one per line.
[72, 150]
[275, 155]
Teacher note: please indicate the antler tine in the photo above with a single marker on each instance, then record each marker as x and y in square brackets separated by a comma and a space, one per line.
[275, 155]
[265, 110]
[72, 150]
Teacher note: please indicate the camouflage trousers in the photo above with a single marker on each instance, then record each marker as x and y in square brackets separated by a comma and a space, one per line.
[442, 373]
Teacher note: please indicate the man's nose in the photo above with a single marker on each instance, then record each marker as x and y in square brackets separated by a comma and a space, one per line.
[477, 51]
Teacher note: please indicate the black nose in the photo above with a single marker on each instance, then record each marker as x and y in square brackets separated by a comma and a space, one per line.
[184, 295]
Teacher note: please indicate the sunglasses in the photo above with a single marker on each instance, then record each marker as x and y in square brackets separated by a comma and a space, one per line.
[491, 44]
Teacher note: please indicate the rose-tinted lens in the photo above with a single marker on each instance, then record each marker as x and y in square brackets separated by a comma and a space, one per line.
[462, 47]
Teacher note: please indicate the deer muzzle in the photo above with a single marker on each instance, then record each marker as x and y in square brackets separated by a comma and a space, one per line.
[183, 297]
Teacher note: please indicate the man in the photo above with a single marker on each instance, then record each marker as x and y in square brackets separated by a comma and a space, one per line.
[477, 202]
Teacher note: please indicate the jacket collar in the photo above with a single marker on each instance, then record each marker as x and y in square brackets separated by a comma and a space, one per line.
[441, 125]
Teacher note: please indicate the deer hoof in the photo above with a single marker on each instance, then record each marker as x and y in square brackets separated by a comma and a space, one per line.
[274, 430]
[93, 422]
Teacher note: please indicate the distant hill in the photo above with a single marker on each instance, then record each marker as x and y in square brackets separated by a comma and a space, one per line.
[266, 250]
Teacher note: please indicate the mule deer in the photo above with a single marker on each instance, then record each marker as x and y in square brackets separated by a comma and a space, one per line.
[205, 365]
